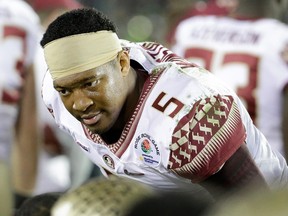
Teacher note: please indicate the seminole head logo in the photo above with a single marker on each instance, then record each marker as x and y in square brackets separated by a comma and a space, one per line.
[109, 161]
[145, 146]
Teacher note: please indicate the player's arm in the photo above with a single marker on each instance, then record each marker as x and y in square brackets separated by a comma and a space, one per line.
[216, 155]
[239, 172]
[25, 149]
[285, 120]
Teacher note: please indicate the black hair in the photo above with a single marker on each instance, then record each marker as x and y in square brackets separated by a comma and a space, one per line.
[78, 21]
[38, 205]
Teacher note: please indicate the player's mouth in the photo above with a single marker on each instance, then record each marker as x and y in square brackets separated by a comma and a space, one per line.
[91, 119]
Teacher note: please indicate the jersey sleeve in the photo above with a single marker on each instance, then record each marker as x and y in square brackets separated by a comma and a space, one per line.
[206, 138]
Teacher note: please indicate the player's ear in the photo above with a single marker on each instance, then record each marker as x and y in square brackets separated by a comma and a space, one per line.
[124, 61]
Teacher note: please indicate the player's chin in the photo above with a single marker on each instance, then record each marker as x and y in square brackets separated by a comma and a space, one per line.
[96, 129]
[102, 126]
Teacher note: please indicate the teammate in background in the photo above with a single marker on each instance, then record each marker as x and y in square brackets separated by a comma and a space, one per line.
[61, 164]
[247, 50]
[196, 8]
[19, 27]
[139, 111]
[48, 10]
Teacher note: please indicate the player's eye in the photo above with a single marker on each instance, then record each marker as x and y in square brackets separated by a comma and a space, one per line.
[63, 92]
[91, 84]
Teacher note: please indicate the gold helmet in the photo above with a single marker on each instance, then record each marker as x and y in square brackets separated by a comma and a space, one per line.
[101, 196]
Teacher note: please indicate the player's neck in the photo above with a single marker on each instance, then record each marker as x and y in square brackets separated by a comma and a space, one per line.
[135, 89]
[128, 109]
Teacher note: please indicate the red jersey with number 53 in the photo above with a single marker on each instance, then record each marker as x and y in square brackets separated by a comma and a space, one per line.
[249, 55]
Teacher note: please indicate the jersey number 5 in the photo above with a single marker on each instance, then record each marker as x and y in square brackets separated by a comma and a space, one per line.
[172, 103]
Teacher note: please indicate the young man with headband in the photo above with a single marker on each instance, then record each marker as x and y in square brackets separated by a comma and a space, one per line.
[139, 111]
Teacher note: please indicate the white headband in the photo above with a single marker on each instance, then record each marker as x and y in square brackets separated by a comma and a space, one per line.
[81, 52]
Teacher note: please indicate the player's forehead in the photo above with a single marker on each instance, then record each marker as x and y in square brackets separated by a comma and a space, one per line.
[76, 79]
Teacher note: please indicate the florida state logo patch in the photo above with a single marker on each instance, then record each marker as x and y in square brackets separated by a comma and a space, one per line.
[108, 161]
